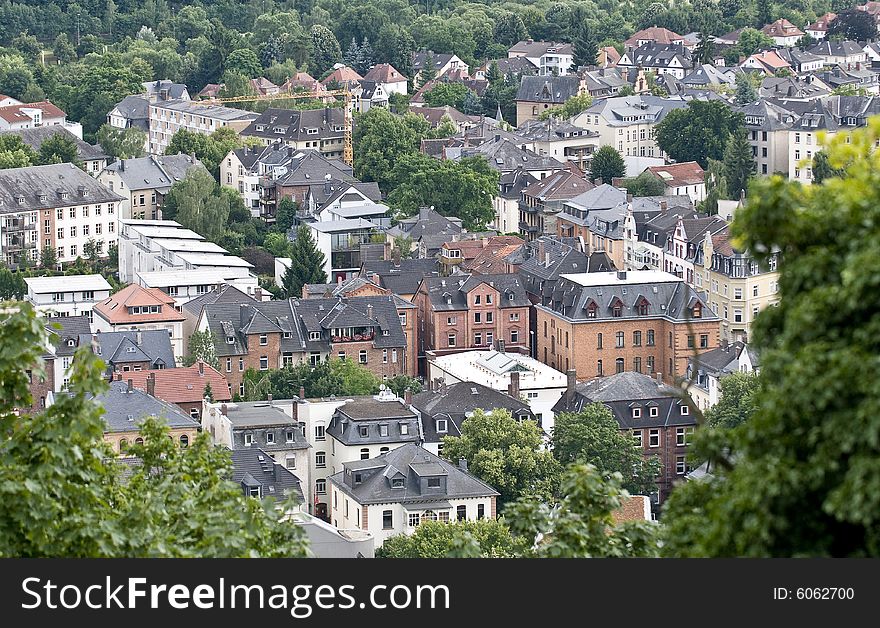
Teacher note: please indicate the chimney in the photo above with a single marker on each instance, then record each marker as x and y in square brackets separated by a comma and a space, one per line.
[659, 377]
[664, 206]
[302, 392]
[547, 259]
[407, 396]
[201, 368]
[224, 409]
[151, 384]
[462, 464]
[497, 137]
[621, 275]
[725, 344]
[571, 384]
[370, 310]
[269, 397]
[513, 387]
[629, 198]
[138, 338]
[121, 165]
[327, 186]
[130, 386]
[598, 181]
[499, 345]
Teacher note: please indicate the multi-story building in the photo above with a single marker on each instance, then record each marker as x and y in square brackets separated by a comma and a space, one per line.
[253, 170]
[70, 295]
[144, 182]
[659, 420]
[818, 30]
[18, 115]
[644, 321]
[463, 254]
[310, 168]
[56, 206]
[322, 130]
[540, 202]
[62, 336]
[707, 370]
[427, 230]
[341, 242]
[768, 127]
[536, 94]
[395, 492]
[560, 139]
[185, 387]
[185, 285]
[472, 312]
[682, 179]
[170, 116]
[596, 216]
[261, 477]
[840, 52]
[653, 35]
[388, 78]
[400, 276]
[551, 58]
[135, 308]
[93, 158]
[663, 59]
[649, 226]
[131, 351]
[683, 247]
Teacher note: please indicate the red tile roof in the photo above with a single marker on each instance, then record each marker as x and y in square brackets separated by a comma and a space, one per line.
[823, 23]
[633, 508]
[115, 309]
[302, 80]
[657, 34]
[344, 74]
[12, 113]
[492, 259]
[782, 28]
[384, 73]
[183, 384]
[674, 175]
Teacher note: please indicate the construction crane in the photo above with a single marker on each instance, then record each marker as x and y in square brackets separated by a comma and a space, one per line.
[347, 148]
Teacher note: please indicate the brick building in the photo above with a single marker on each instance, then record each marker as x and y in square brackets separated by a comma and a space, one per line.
[184, 386]
[644, 321]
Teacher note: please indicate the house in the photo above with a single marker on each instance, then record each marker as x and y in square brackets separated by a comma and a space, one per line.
[789, 89]
[627, 122]
[132, 112]
[343, 76]
[56, 206]
[839, 52]
[858, 76]
[131, 351]
[519, 375]
[261, 477]
[93, 158]
[767, 126]
[388, 78]
[783, 32]
[393, 493]
[471, 312]
[260, 425]
[253, 171]
[767, 61]
[509, 67]
[428, 231]
[144, 182]
[801, 61]
[302, 82]
[551, 58]
[320, 129]
[653, 35]
[540, 203]
[35, 114]
[706, 75]
[400, 276]
[492, 259]
[442, 409]
[185, 386]
[443, 63]
[335, 199]
[649, 227]
[683, 247]
[5, 101]
[536, 94]
[608, 57]
[170, 116]
[70, 295]
[308, 169]
[671, 59]
[261, 86]
[605, 81]
[135, 308]
[682, 179]
[655, 416]
[560, 139]
[596, 216]
[737, 287]
[370, 94]
[343, 243]
[193, 308]
[147, 246]
[506, 156]
[435, 115]
[818, 30]
[126, 408]
[643, 321]
[62, 335]
[707, 370]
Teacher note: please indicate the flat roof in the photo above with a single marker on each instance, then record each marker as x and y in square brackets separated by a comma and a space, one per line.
[66, 283]
[177, 244]
[165, 278]
[256, 413]
[332, 226]
[214, 259]
[169, 233]
[614, 277]
[493, 369]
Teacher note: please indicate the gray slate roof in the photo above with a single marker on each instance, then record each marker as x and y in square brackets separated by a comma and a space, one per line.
[409, 462]
[552, 90]
[72, 327]
[224, 293]
[295, 124]
[136, 109]
[21, 188]
[450, 293]
[371, 413]
[402, 277]
[548, 257]
[504, 155]
[154, 172]
[124, 411]
[426, 222]
[34, 137]
[254, 467]
[121, 347]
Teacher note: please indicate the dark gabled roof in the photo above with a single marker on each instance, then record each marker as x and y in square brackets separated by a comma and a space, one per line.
[159, 172]
[136, 109]
[514, 65]
[504, 155]
[254, 467]
[455, 402]
[368, 414]
[21, 189]
[34, 137]
[124, 411]
[718, 360]
[427, 222]
[224, 293]
[403, 276]
[554, 90]
[295, 124]
[829, 48]
[310, 167]
[658, 56]
[376, 485]
[454, 289]
[120, 347]
[71, 329]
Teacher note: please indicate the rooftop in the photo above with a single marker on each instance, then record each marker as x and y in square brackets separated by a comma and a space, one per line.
[66, 283]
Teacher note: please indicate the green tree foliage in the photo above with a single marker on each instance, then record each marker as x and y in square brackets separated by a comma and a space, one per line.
[452, 94]
[593, 436]
[58, 149]
[277, 244]
[49, 258]
[705, 50]
[12, 285]
[434, 539]
[509, 29]
[586, 50]
[122, 143]
[739, 165]
[646, 184]
[739, 394]
[16, 77]
[201, 347]
[783, 485]
[61, 489]
[284, 217]
[395, 45]
[853, 25]
[325, 48]
[582, 524]
[752, 41]
[381, 139]
[244, 61]
[607, 164]
[197, 203]
[306, 264]
[506, 454]
[698, 132]
[14, 153]
[822, 168]
[329, 377]
[63, 49]
[764, 13]
[462, 188]
[428, 71]
[209, 149]
[746, 90]
[716, 188]
[400, 383]
[572, 107]
[29, 47]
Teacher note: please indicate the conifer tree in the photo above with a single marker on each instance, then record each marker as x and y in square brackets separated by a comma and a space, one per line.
[306, 264]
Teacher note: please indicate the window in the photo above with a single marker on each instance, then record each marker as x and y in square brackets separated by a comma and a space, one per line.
[654, 411]
[650, 338]
[478, 317]
[619, 341]
[270, 438]
[619, 365]
[704, 341]
[637, 413]
[264, 363]
[264, 340]
[637, 339]
[450, 340]
[490, 317]
[383, 430]
[690, 341]
[290, 461]
[478, 339]
[241, 364]
[73, 232]
[680, 465]
[320, 459]
[654, 438]
[433, 482]
[364, 431]
[248, 440]
[290, 437]
[650, 364]
[737, 315]
[73, 250]
[450, 320]
[637, 438]
[481, 511]
[599, 368]
[228, 365]
[617, 310]
[637, 365]
[461, 513]
[514, 316]
[321, 487]
[598, 341]
[477, 299]
[387, 520]
[414, 519]
[442, 426]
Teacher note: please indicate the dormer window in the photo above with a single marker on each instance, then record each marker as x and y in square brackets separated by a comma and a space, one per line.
[592, 308]
[685, 410]
[617, 308]
[697, 311]
[364, 431]
[442, 426]
[314, 335]
[383, 430]
[398, 483]
[358, 478]
[433, 482]
[637, 413]
[404, 429]
[642, 307]
[654, 412]
[230, 340]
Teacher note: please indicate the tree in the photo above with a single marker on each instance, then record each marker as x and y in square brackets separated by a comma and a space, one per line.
[739, 164]
[244, 61]
[582, 525]
[646, 184]
[16, 77]
[781, 486]
[49, 258]
[739, 393]
[593, 436]
[381, 139]
[197, 203]
[442, 94]
[506, 454]
[208, 393]
[705, 50]
[745, 89]
[853, 25]
[12, 285]
[395, 45]
[59, 149]
[201, 347]
[75, 502]
[122, 143]
[585, 47]
[509, 29]
[822, 169]
[399, 384]
[29, 47]
[209, 149]
[306, 264]
[277, 244]
[63, 50]
[351, 53]
[364, 60]
[697, 132]
[271, 52]
[751, 41]
[571, 107]
[764, 13]
[607, 164]
[428, 71]
[716, 188]
[325, 48]
[436, 539]
[14, 153]
[284, 217]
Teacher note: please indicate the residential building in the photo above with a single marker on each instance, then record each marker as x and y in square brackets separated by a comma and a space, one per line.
[8, 100]
[627, 122]
[442, 409]
[551, 58]
[492, 259]
[435, 116]
[131, 351]
[186, 285]
[444, 63]
[56, 206]
[388, 78]
[520, 376]
[322, 130]
[343, 76]
[767, 126]
[657, 418]
[368, 95]
[62, 342]
[308, 169]
[663, 59]
[783, 32]
[604, 82]
[541, 202]
[536, 94]
[193, 308]
[643, 321]
[767, 61]
[252, 171]
[428, 231]
[170, 116]
[69, 295]
[395, 492]
[302, 82]
[326, 541]
[341, 242]
[649, 226]
[260, 477]
[707, 370]
[261, 425]
[560, 139]
[135, 308]
[509, 67]
[818, 30]
[683, 245]
[801, 61]
[185, 386]
[400, 276]
[126, 408]
[35, 114]
[682, 179]
[460, 250]
[858, 77]
[653, 35]
[144, 182]
[707, 76]
[93, 158]
[464, 312]
[596, 216]
[840, 52]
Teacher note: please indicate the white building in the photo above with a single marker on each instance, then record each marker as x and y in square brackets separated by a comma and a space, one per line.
[551, 58]
[340, 242]
[519, 375]
[185, 285]
[398, 491]
[168, 117]
[71, 295]
[19, 115]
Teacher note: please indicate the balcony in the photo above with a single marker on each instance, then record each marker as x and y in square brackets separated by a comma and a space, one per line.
[352, 334]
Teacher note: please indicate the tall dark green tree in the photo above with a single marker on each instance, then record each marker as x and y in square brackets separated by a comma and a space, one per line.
[739, 164]
[822, 169]
[58, 149]
[607, 164]
[705, 50]
[325, 48]
[764, 13]
[586, 48]
[697, 132]
[306, 264]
